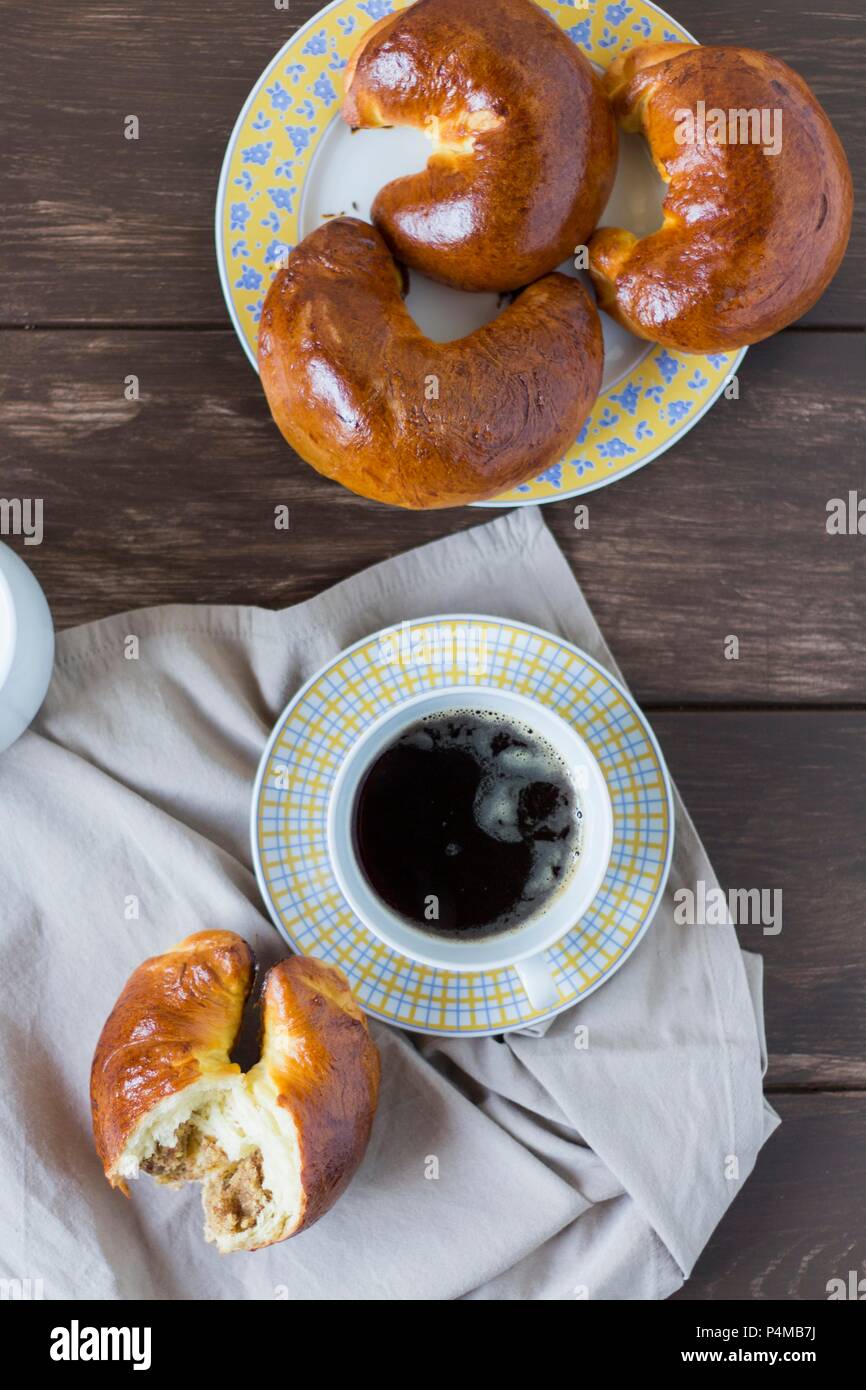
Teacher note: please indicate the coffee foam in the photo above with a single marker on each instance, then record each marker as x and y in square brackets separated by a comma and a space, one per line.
[509, 771]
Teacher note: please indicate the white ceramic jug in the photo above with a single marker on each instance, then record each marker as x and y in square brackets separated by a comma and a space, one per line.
[26, 646]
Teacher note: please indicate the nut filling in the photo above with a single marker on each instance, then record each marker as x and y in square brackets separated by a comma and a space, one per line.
[189, 1158]
[235, 1196]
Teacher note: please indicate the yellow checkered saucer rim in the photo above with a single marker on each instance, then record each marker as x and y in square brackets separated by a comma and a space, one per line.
[288, 823]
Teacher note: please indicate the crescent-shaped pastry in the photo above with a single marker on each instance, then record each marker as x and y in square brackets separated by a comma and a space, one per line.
[754, 228]
[361, 394]
[273, 1147]
[525, 143]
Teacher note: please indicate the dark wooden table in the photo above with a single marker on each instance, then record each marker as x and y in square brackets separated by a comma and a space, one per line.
[108, 270]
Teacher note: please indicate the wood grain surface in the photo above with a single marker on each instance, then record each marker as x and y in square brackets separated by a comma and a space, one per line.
[778, 798]
[724, 535]
[793, 1227]
[108, 271]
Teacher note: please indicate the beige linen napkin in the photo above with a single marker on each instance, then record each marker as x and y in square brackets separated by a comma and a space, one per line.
[563, 1173]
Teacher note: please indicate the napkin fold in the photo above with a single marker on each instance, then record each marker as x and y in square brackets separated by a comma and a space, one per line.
[522, 1168]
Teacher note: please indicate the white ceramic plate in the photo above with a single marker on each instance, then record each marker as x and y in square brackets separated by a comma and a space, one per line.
[291, 161]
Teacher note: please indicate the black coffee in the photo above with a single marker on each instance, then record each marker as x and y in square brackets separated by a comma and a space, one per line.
[467, 824]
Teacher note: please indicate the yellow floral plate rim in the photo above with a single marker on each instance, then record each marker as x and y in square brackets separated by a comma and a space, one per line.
[635, 419]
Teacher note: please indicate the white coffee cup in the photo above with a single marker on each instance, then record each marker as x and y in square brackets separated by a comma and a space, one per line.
[523, 946]
[26, 646]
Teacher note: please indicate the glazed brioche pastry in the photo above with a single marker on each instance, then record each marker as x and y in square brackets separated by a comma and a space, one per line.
[750, 240]
[361, 394]
[273, 1147]
[524, 141]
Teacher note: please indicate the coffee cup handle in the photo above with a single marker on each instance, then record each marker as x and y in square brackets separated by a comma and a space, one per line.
[537, 979]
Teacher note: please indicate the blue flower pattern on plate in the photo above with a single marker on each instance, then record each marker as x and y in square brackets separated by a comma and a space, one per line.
[323, 88]
[377, 9]
[552, 475]
[580, 33]
[250, 279]
[668, 366]
[281, 100]
[317, 44]
[628, 397]
[258, 154]
[299, 136]
[615, 448]
[277, 251]
[281, 198]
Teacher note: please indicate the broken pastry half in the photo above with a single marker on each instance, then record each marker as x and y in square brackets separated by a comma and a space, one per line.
[273, 1147]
